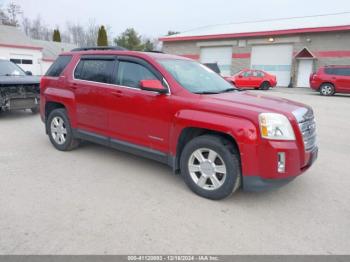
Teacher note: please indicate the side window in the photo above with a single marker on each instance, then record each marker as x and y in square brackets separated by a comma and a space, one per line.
[130, 74]
[247, 74]
[343, 71]
[94, 70]
[59, 65]
[260, 74]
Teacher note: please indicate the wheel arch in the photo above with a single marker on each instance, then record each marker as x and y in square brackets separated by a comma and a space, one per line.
[51, 106]
[327, 83]
[189, 133]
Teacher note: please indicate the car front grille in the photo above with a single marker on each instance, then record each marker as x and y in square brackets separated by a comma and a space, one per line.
[307, 126]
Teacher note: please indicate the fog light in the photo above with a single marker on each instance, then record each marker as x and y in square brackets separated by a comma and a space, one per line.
[281, 165]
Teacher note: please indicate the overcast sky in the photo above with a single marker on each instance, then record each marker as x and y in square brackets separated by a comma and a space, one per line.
[155, 17]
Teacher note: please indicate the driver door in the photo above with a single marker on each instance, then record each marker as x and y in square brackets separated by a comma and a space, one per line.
[139, 117]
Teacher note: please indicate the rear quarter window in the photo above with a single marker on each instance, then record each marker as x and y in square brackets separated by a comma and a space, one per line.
[59, 65]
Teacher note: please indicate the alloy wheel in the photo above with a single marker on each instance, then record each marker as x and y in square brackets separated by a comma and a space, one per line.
[207, 169]
[327, 90]
[58, 130]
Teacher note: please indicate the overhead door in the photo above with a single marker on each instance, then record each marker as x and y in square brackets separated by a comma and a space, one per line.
[220, 55]
[274, 59]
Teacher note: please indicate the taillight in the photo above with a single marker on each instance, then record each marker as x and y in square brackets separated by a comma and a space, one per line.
[43, 82]
[312, 76]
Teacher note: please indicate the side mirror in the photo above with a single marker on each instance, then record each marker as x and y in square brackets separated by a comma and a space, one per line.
[153, 85]
[29, 73]
[240, 76]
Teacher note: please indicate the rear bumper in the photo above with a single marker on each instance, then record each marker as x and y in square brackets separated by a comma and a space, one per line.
[314, 85]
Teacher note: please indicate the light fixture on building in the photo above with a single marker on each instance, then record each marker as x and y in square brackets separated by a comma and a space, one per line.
[271, 39]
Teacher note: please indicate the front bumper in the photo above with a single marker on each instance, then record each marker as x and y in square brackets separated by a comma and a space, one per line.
[258, 184]
[261, 172]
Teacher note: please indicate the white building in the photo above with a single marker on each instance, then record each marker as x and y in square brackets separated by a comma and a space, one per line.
[32, 55]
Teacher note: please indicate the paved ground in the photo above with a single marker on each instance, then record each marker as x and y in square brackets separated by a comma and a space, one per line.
[100, 201]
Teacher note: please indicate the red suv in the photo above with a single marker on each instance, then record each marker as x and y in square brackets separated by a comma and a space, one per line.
[178, 112]
[253, 79]
[331, 79]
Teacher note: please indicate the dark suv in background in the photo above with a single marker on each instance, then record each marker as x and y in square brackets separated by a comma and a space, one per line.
[331, 79]
[19, 90]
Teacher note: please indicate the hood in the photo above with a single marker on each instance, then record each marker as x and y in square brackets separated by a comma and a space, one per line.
[19, 80]
[253, 102]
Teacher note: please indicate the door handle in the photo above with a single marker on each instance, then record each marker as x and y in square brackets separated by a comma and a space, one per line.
[74, 86]
[117, 93]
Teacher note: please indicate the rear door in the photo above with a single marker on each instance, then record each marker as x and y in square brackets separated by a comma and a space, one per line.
[90, 83]
[256, 78]
[342, 79]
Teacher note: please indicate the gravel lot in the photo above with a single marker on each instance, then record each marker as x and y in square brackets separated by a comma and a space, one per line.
[95, 200]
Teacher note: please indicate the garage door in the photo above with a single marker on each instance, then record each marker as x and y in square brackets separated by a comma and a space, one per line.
[274, 59]
[220, 55]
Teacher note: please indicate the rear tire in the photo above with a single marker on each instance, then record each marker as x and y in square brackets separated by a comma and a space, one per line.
[265, 86]
[210, 167]
[327, 90]
[60, 131]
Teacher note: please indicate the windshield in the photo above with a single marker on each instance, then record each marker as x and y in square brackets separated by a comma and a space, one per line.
[8, 68]
[196, 77]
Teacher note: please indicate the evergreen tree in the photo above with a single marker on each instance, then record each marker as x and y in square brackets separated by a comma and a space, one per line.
[130, 40]
[56, 36]
[102, 39]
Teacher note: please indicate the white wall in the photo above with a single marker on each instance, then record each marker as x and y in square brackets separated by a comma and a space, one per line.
[21, 53]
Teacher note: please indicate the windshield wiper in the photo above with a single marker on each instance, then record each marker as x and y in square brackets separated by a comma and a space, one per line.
[228, 90]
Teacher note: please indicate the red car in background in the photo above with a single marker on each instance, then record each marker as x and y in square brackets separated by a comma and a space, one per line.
[257, 79]
[331, 79]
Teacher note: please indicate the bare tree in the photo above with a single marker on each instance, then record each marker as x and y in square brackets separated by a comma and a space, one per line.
[26, 25]
[13, 11]
[91, 33]
[76, 34]
[3, 16]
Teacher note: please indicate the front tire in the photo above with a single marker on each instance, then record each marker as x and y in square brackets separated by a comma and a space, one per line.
[35, 110]
[327, 89]
[210, 167]
[60, 131]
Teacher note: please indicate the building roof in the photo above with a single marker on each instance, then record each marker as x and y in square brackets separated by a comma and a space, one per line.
[11, 36]
[14, 37]
[294, 25]
[52, 49]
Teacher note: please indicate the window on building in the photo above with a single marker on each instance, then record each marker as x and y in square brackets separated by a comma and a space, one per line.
[98, 70]
[16, 61]
[130, 74]
[19, 61]
[27, 62]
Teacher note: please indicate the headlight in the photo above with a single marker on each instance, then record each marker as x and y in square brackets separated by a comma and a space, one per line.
[276, 127]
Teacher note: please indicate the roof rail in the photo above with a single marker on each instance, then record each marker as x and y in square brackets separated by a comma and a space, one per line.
[155, 51]
[98, 48]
